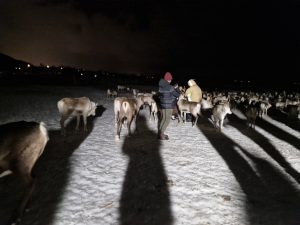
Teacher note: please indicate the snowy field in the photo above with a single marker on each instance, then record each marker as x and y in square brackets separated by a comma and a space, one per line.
[198, 177]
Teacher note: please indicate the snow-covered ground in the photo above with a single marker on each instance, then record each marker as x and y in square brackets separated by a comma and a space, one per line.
[198, 177]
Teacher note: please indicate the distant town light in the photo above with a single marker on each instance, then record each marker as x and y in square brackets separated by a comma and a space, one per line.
[95, 75]
[28, 65]
[81, 74]
[61, 67]
[48, 66]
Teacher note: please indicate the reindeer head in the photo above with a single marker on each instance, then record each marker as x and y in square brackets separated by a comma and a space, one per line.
[93, 109]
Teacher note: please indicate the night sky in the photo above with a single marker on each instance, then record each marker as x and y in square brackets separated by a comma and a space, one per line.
[199, 38]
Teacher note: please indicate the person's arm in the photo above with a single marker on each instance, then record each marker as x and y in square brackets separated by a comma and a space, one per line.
[176, 92]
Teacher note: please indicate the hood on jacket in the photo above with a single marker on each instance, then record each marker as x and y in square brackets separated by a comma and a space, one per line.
[191, 83]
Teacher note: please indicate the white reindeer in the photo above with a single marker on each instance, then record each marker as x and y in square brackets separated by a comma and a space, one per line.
[76, 107]
[21, 145]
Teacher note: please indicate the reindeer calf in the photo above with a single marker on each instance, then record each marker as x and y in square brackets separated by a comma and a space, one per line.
[21, 144]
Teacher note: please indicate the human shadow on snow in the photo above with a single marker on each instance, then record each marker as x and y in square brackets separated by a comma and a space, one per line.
[145, 197]
[282, 117]
[52, 172]
[265, 144]
[279, 133]
[270, 196]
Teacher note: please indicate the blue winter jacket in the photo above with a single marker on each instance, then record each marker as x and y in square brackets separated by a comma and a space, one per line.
[167, 95]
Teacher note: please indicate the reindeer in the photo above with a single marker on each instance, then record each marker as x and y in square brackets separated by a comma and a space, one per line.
[219, 112]
[76, 107]
[182, 89]
[128, 110]
[121, 88]
[21, 144]
[251, 114]
[117, 106]
[184, 106]
[206, 104]
[280, 105]
[135, 92]
[263, 108]
[145, 98]
[153, 111]
[111, 94]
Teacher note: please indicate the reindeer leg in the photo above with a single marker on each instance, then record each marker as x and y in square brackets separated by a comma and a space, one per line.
[179, 115]
[30, 186]
[117, 118]
[221, 124]
[195, 122]
[129, 125]
[77, 122]
[85, 123]
[182, 117]
[119, 126]
[62, 124]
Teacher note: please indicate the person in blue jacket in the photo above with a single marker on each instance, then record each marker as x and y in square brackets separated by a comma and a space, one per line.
[168, 96]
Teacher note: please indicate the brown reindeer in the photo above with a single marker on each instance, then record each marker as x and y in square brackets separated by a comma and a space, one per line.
[128, 111]
[21, 144]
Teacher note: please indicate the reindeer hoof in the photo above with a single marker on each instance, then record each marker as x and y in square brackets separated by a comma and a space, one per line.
[117, 138]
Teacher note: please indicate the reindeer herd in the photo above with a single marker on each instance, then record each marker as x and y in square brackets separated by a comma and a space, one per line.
[22, 143]
[218, 104]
